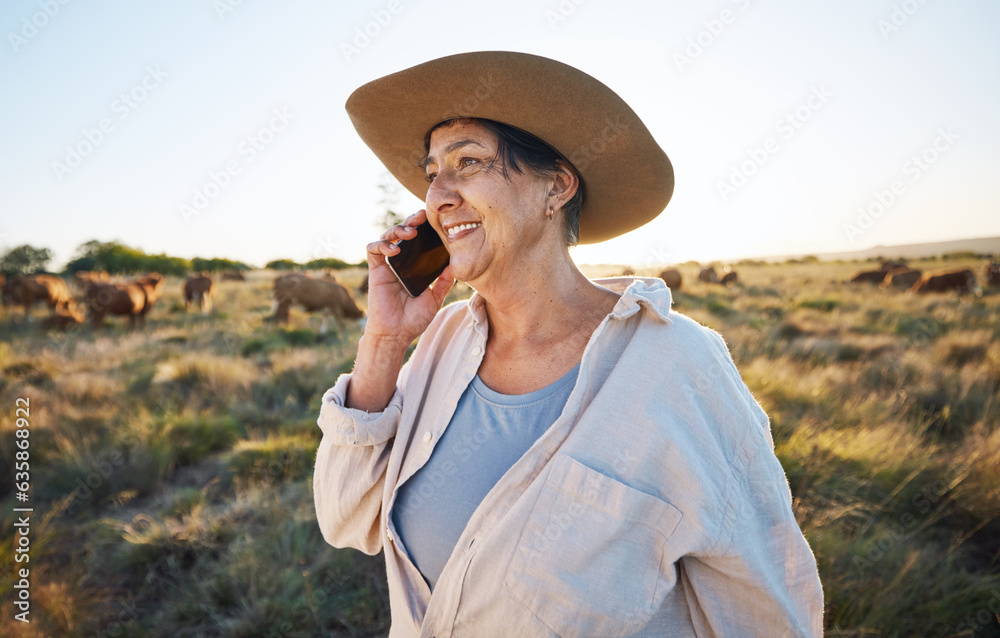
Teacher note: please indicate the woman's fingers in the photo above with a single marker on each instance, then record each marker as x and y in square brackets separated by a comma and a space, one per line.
[386, 245]
[402, 231]
[416, 218]
[382, 248]
[397, 233]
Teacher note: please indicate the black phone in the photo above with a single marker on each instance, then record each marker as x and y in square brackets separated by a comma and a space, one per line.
[420, 260]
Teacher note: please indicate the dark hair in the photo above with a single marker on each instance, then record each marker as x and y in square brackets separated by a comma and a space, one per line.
[516, 147]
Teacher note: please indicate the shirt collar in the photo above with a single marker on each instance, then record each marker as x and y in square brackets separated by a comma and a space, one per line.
[649, 293]
[477, 307]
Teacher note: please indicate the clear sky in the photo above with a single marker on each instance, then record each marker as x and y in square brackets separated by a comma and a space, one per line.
[784, 120]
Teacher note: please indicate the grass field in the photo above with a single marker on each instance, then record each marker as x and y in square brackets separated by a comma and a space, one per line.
[171, 466]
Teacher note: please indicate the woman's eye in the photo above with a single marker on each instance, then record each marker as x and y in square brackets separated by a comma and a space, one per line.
[430, 177]
[468, 161]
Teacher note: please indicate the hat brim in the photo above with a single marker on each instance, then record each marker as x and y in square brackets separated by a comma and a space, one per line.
[628, 177]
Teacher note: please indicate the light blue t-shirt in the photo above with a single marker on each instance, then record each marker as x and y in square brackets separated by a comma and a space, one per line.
[487, 434]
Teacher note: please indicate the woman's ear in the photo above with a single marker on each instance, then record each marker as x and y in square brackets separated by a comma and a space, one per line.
[564, 185]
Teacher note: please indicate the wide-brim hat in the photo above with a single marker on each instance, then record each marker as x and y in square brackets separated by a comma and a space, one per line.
[628, 177]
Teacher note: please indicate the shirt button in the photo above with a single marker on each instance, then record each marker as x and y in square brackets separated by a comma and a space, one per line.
[477, 351]
[428, 437]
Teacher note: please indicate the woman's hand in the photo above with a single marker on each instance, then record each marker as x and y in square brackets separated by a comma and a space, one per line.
[393, 315]
[395, 319]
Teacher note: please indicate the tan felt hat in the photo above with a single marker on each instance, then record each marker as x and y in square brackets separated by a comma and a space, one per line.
[628, 177]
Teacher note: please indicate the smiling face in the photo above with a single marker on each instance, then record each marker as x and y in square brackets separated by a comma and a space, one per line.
[490, 222]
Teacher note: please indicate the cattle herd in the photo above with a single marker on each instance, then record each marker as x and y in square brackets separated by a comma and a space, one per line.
[890, 274]
[896, 274]
[99, 296]
[672, 277]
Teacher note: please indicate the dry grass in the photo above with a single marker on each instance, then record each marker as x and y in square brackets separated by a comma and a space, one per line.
[173, 463]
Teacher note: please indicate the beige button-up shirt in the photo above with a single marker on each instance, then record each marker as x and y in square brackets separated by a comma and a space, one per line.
[653, 506]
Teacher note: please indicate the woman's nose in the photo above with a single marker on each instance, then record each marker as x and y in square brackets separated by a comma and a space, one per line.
[441, 195]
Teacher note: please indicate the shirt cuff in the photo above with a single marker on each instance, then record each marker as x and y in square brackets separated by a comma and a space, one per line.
[349, 426]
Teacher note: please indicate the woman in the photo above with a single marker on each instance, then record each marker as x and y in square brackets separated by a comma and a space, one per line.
[558, 456]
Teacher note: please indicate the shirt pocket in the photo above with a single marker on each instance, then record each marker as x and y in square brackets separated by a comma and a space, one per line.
[589, 561]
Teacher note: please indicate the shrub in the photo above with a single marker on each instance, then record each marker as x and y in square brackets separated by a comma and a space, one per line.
[193, 439]
[823, 305]
[277, 458]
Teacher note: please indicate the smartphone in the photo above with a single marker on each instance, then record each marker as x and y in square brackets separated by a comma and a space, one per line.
[420, 260]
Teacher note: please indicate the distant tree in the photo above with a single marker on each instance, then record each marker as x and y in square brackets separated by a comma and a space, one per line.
[86, 257]
[25, 260]
[328, 262]
[964, 254]
[166, 265]
[282, 264]
[112, 256]
[119, 259]
[87, 262]
[389, 219]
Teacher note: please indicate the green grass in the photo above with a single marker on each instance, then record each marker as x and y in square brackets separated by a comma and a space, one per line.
[172, 464]
[275, 459]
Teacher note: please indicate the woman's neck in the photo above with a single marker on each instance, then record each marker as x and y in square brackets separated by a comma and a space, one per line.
[544, 302]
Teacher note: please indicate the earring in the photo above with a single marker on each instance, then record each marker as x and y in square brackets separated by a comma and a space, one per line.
[550, 213]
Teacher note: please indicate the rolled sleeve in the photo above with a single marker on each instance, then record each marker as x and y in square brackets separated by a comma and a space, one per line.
[351, 462]
[347, 426]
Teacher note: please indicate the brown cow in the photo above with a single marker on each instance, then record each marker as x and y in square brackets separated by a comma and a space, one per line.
[958, 279]
[27, 290]
[314, 294]
[134, 299]
[992, 273]
[887, 265]
[729, 279]
[83, 278]
[64, 319]
[116, 299]
[671, 277]
[152, 284]
[903, 277]
[284, 288]
[199, 288]
[868, 276]
[233, 275]
[708, 275]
